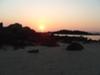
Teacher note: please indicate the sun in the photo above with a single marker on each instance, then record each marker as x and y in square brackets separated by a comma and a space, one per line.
[42, 27]
[42, 22]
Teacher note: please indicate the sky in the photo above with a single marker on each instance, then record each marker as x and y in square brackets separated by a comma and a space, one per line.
[51, 15]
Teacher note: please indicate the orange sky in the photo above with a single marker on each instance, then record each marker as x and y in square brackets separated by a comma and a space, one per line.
[50, 15]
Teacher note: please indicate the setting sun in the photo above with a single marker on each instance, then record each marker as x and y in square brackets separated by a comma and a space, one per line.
[42, 27]
[41, 24]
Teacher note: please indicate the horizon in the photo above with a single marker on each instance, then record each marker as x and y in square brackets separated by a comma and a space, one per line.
[52, 15]
[46, 31]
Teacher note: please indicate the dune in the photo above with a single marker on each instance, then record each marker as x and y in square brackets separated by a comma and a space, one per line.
[51, 61]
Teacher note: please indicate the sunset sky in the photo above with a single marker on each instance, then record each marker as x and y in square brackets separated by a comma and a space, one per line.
[50, 15]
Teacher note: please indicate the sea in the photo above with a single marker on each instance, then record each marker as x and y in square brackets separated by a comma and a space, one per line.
[93, 37]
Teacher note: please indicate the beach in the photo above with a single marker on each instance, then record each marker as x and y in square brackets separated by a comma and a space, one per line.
[51, 61]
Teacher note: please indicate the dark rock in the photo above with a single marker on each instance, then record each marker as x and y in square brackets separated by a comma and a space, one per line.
[75, 46]
[34, 51]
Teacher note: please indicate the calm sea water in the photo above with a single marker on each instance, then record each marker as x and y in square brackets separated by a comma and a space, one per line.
[93, 37]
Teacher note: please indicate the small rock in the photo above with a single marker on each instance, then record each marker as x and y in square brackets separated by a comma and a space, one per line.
[34, 51]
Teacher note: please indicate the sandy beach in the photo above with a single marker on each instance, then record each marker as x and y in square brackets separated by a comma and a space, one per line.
[49, 37]
[51, 61]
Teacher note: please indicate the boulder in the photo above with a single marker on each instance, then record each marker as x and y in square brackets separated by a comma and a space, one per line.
[75, 46]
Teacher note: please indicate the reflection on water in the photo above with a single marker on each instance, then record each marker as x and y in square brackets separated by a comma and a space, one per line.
[93, 37]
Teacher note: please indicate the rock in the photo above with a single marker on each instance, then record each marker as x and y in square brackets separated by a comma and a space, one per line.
[34, 51]
[75, 46]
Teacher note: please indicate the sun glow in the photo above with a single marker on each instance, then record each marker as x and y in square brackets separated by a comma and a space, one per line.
[42, 27]
[42, 24]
